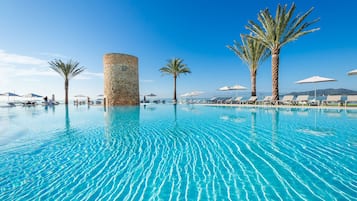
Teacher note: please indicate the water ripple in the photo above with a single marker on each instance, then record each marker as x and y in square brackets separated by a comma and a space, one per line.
[247, 155]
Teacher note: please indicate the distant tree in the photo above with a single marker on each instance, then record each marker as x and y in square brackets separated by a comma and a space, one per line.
[275, 32]
[175, 67]
[252, 52]
[67, 71]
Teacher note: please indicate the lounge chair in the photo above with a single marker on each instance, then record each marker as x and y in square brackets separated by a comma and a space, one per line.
[332, 99]
[302, 100]
[351, 99]
[228, 100]
[251, 100]
[266, 100]
[212, 100]
[233, 100]
[237, 100]
[222, 100]
[287, 100]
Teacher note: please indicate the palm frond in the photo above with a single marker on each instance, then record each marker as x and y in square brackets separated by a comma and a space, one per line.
[251, 51]
[175, 67]
[283, 28]
[66, 70]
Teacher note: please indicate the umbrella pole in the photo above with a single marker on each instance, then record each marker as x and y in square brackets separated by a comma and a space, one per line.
[315, 93]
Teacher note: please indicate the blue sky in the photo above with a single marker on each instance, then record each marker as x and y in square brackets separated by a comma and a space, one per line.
[35, 32]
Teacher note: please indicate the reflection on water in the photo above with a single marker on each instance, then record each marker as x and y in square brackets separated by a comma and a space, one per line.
[67, 120]
[122, 125]
[275, 126]
[253, 124]
[316, 132]
[50, 107]
[233, 118]
[351, 113]
[332, 112]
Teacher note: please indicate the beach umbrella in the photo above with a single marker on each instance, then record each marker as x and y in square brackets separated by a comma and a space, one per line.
[151, 94]
[315, 79]
[9, 94]
[225, 88]
[32, 95]
[193, 93]
[352, 72]
[80, 96]
[185, 95]
[237, 87]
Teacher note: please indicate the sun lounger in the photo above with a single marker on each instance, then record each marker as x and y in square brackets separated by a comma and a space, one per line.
[212, 100]
[218, 100]
[222, 100]
[332, 99]
[228, 100]
[351, 99]
[251, 100]
[237, 100]
[287, 100]
[302, 100]
[266, 100]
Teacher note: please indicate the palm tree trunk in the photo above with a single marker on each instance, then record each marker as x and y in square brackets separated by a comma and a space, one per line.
[66, 91]
[253, 81]
[275, 74]
[175, 99]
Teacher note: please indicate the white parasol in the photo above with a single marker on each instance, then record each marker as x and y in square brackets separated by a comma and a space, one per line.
[225, 88]
[8, 94]
[193, 93]
[32, 95]
[352, 72]
[315, 79]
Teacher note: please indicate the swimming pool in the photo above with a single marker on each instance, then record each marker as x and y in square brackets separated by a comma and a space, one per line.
[184, 152]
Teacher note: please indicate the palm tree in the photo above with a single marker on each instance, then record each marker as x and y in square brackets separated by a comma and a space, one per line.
[67, 71]
[276, 32]
[175, 67]
[252, 52]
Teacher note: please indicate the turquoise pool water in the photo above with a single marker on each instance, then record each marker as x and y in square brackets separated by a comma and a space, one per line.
[188, 152]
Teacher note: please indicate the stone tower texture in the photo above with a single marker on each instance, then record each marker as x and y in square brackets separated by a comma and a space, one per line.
[121, 79]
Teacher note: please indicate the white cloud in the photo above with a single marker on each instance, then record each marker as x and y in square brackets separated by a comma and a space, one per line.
[23, 74]
[11, 71]
[15, 65]
[8, 58]
[7, 72]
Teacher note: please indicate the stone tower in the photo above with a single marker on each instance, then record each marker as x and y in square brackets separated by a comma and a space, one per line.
[121, 79]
